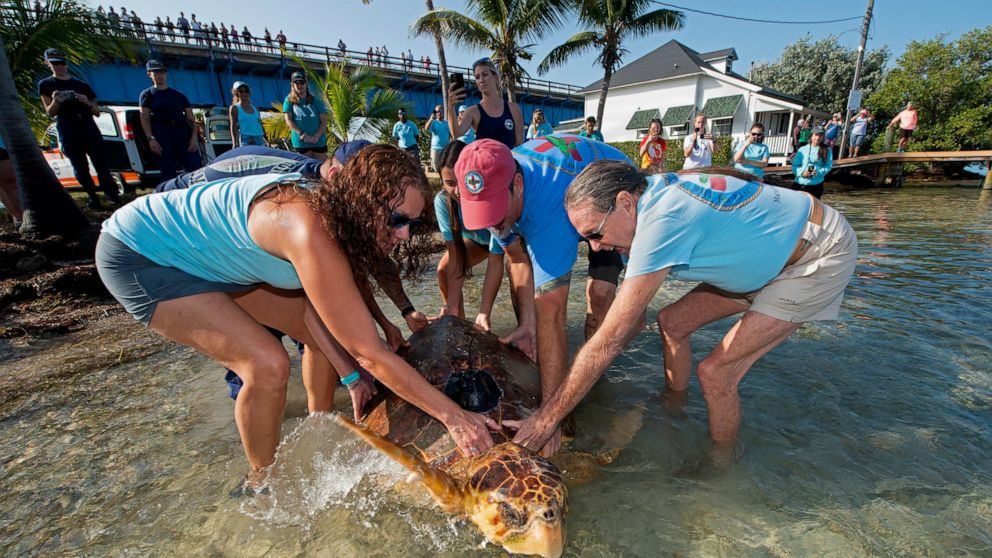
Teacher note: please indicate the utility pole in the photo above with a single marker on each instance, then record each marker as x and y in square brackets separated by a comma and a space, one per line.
[857, 76]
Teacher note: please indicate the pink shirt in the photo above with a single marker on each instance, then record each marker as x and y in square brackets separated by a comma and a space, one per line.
[907, 120]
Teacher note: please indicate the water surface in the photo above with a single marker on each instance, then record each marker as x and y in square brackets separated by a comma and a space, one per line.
[866, 436]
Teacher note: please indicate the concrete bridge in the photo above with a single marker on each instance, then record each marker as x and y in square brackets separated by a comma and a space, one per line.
[204, 68]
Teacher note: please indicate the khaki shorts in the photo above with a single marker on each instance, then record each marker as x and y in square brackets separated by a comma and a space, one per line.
[811, 289]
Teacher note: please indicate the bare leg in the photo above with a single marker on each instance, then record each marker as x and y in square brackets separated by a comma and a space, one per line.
[677, 321]
[599, 297]
[475, 255]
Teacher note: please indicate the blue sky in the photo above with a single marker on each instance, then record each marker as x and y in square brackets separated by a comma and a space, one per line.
[387, 22]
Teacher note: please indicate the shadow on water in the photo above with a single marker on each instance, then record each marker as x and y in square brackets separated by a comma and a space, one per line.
[868, 436]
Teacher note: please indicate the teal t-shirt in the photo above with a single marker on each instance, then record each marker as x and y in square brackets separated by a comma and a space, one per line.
[440, 134]
[717, 229]
[754, 152]
[307, 118]
[405, 133]
[482, 238]
[594, 135]
[543, 129]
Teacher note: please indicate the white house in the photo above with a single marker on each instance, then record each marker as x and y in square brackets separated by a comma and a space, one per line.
[674, 83]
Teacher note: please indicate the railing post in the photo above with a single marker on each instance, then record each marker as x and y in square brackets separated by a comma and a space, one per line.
[987, 183]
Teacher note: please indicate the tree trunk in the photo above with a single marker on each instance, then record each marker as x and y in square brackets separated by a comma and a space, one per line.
[607, 76]
[442, 63]
[48, 208]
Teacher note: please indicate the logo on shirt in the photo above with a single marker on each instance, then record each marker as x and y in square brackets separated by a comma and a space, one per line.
[564, 144]
[508, 123]
[474, 182]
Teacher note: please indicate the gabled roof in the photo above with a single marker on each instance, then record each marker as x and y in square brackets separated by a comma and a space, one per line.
[719, 54]
[672, 59]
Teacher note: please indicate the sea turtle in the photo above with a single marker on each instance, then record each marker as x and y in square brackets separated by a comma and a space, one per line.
[516, 497]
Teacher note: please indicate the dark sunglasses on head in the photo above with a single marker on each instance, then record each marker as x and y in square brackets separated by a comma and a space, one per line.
[398, 220]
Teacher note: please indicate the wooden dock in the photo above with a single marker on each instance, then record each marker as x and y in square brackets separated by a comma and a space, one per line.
[887, 168]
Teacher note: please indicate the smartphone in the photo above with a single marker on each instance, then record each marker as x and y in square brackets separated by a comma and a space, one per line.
[457, 80]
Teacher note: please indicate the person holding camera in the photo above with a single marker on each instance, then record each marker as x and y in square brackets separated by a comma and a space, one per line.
[73, 104]
[653, 148]
[506, 127]
[751, 154]
[440, 135]
[698, 146]
[811, 164]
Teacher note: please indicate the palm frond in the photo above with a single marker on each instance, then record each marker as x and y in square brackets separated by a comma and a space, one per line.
[456, 27]
[573, 46]
[656, 21]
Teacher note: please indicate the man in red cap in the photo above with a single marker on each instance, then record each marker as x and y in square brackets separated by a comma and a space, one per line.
[519, 196]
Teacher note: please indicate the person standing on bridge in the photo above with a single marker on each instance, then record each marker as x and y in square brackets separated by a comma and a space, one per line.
[167, 119]
[907, 123]
[73, 104]
[506, 127]
[306, 116]
[811, 164]
[183, 25]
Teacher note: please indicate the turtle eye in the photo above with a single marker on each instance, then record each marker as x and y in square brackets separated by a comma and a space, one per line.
[549, 515]
[511, 517]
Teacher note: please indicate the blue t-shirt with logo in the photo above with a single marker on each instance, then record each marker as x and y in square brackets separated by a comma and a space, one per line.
[754, 152]
[860, 126]
[549, 165]
[717, 229]
[482, 238]
[245, 161]
[405, 133]
[440, 134]
[307, 118]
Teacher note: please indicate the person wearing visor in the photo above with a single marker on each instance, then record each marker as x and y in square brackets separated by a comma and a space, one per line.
[518, 196]
[779, 256]
[306, 117]
[73, 104]
[246, 122]
[167, 119]
[493, 118]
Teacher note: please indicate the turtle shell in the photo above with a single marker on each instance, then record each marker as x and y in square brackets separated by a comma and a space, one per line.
[472, 368]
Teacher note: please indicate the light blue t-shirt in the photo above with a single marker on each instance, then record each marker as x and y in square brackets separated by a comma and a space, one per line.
[808, 156]
[440, 134]
[717, 229]
[468, 137]
[754, 152]
[307, 118]
[405, 133]
[482, 238]
[549, 165]
[543, 129]
[860, 126]
[203, 231]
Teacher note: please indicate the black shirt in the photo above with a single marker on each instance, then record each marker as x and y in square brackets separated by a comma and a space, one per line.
[71, 111]
[167, 106]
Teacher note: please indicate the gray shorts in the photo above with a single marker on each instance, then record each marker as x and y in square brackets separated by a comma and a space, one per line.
[139, 284]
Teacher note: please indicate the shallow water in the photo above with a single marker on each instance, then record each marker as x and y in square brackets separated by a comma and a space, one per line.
[867, 436]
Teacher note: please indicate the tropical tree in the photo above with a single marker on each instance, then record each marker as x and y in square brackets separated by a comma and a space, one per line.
[498, 26]
[360, 102]
[24, 36]
[610, 23]
[820, 72]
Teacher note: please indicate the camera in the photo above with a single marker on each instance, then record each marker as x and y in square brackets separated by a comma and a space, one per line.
[696, 130]
[810, 169]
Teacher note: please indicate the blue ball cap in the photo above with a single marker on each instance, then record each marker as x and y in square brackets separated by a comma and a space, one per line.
[349, 149]
[54, 55]
[154, 65]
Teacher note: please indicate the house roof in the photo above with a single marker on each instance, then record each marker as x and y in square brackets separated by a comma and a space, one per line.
[672, 59]
[718, 54]
[642, 119]
[677, 116]
[722, 107]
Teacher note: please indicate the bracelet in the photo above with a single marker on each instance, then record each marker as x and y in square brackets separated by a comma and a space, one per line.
[408, 310]
[350, 379]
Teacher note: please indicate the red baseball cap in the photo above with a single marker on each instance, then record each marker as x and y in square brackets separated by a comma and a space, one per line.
[484, 169]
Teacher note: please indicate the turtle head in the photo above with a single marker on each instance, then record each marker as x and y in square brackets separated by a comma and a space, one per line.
[518, 500]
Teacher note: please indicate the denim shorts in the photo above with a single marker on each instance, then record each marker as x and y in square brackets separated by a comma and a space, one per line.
[139, 284]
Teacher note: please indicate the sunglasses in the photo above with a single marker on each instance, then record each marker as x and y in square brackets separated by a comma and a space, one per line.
[244, 91]
[56, 63]
[299, 82]
[757, 135]
[398, 220]
[598, 233]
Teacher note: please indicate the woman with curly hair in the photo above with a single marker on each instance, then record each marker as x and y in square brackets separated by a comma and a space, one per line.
[210, 267]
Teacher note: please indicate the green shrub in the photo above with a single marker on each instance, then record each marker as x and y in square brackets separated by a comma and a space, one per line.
[674, 158]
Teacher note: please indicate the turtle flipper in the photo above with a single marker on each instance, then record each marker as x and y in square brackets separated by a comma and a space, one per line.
[445, 491]
[580, 467]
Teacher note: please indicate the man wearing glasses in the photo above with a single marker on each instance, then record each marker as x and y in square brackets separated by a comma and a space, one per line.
[751, 154]
[73, 104]
[519, 197]
[440, 135]
[406, 134]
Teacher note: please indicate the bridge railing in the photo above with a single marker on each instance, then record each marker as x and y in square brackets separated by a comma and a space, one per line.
[210, 40]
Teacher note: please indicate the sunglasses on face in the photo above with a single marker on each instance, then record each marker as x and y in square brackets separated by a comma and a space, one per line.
[753, 135]
[53, 63]
[598, 233]
[244, 91]
[398, 220]
[299, 82]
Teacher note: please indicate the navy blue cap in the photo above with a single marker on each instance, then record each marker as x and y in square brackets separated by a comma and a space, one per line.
[349, 149]
[298, 75]
[54, 55]
[154, 65]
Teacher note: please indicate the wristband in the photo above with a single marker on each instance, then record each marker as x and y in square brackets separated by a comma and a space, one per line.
[350, 379]
[407, 311]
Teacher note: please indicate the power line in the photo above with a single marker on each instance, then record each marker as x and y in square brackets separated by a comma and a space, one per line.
[758, 20]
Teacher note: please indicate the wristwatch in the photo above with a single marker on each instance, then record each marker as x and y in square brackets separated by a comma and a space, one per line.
[152, 138]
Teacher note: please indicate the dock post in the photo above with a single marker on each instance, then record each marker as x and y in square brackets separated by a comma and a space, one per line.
[987, 183]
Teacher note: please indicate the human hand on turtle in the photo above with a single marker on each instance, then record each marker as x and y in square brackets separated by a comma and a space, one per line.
[361, 392]
[523, 338]
[416, 321]
[482, 322]
[470, 432]
[394, 337]
[536, 434]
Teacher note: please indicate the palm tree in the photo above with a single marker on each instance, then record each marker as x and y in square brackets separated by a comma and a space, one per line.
[499, 26]
[24, 35]
[610, 24]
